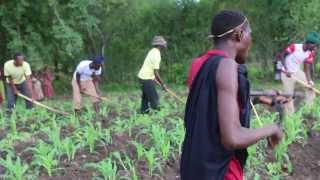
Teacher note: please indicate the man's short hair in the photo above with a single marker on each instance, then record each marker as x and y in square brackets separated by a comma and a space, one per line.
[224, 22]
[17, 54]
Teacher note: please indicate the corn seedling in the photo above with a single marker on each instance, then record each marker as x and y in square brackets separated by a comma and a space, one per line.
[151, 160]
[127, 164]
[54, 135]
[89, 135]
[13, 123]
[69, 148]
[133, 172]
[107, 168]
[161, 140]
[14, 169]
[117, 155]
[139, 149]
[106, 136]
[44, 156]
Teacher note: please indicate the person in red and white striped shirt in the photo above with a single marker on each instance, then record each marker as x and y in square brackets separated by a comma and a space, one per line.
[291, 59]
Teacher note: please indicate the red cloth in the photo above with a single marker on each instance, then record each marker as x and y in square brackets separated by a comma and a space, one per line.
[235, 171]
[197, 63]
[47, 79]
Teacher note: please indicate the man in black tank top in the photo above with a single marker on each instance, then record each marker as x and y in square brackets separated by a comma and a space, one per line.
[217, 116]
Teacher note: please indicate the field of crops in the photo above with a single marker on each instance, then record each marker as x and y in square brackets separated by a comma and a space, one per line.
[119, 143]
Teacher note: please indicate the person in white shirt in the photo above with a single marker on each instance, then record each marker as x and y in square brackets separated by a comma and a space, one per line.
[291, 59]
[85, 79]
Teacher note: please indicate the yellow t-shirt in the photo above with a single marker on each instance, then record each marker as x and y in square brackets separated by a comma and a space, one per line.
[17, 73]
[151, 62]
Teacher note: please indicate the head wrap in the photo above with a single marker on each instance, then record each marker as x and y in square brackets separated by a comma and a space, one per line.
[313, 38]
[98, 59]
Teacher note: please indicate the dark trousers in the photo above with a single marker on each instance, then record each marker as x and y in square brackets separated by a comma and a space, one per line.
[150, 97]
[12, 98]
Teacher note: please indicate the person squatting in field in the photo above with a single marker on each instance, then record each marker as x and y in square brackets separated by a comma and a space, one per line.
[289, 63]
[217, 115]
[85, 80]
[17, 73]
[149, 75]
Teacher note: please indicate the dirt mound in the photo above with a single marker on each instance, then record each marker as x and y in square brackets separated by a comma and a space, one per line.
[305, 159]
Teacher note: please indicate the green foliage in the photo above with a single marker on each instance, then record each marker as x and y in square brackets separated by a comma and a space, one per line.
[15, 169]
[44, 156]
[69, 148]
[60, 33]
[89, 135]
[107, 168]
[125, 145]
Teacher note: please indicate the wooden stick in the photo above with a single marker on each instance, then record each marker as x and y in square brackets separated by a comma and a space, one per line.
[99, 97]
[256, 113]
[174, 95]
[42, 105]
[171, 93]
[306, 85]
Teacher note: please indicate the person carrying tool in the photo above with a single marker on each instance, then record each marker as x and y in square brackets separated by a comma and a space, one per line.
[85, 79]
[291, 59]
[17, 73]
[217, 115]
[149, 73]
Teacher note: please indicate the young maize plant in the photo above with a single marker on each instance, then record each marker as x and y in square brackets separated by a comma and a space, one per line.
[89, 135]
[69, 148]
[54, 135]
[133, 171]
[107, 168]
[15, 169]
[161, 140]
[106, 136]
[118, 157]
[13, 123]
[152, 161]
[176, 136]
[139, 149]
[44, 156]
[127, 164]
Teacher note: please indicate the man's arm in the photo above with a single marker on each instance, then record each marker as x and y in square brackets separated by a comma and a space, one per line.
[158, 78]
[9, 78]
[282, 57]
[233, 136]
[96, 79]
[13, 86]
[306, 69]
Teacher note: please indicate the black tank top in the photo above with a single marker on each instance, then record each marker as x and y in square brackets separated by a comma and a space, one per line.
[203, 155]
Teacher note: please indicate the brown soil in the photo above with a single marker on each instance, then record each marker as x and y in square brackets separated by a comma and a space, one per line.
[3, 134]
[305, 159]
[21, 149]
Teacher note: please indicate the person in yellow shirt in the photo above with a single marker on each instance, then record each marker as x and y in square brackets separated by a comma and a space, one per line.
[149, 73]
[17, 79]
